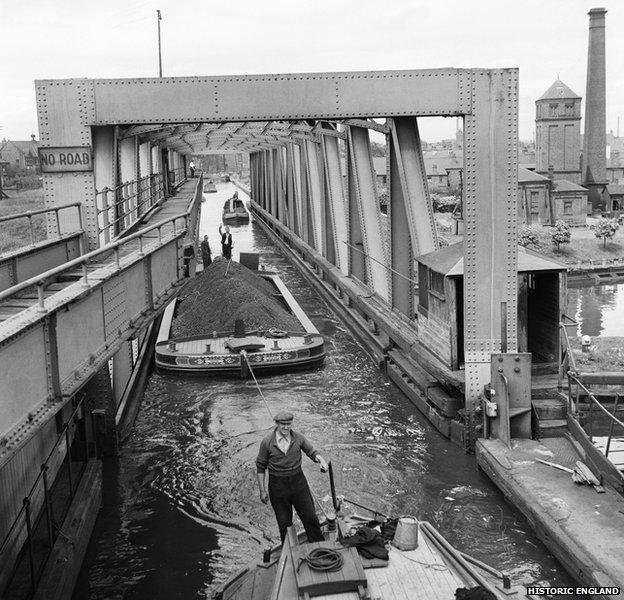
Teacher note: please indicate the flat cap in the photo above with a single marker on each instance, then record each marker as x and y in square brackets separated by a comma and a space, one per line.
[283, 417]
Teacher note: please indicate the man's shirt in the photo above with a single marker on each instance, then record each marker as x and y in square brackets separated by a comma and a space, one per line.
[271, 456]
[283, 441]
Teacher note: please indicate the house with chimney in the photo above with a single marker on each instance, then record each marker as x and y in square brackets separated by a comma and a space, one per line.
[22, 154]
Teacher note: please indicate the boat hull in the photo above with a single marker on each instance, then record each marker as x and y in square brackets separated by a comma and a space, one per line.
[179, 357]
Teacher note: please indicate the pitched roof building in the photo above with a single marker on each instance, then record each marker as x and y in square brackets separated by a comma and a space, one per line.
[20, 153]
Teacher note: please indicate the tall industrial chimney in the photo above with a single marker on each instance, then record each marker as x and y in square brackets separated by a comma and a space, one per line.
[594, 170]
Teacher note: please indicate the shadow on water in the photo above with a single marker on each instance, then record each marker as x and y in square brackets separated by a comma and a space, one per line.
[181, 511]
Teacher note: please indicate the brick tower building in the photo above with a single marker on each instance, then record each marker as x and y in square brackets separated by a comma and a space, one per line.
[558, 132]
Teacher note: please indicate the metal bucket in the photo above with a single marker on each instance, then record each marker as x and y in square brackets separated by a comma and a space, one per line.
[406, 534]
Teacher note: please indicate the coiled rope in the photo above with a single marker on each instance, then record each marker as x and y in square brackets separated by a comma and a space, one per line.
[322, 559]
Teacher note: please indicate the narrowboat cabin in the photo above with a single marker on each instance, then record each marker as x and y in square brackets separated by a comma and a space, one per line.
[234, 211]
[542, 286]
[210, 187]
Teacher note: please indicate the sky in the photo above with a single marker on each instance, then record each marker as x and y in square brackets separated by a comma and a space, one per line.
[47, 39]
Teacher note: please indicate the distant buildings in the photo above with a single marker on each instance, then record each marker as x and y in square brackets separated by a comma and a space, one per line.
[558, 132]
[20, 154]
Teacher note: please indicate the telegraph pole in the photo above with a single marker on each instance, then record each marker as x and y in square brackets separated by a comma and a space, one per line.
[159, 18]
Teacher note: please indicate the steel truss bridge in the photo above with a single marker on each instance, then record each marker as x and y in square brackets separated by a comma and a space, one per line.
[75, 308]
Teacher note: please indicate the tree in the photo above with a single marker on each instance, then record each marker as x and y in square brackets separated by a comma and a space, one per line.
[378, 149]
[560, 233]
[527, 236]
[605, 229]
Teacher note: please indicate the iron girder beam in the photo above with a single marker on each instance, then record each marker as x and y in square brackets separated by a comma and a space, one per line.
[412, 225]
[279, 96]
[490, 221]
[336, 224]
[315, 196]
[363, 193]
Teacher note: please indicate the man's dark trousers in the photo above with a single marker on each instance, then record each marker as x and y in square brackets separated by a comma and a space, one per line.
[293, 491]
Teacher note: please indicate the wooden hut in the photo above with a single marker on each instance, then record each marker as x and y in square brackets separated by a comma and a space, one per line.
[541, 300]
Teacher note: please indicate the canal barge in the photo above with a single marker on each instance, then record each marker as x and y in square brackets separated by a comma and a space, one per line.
[234, 211]
[210, 187]
[243, 352]
[431, 571]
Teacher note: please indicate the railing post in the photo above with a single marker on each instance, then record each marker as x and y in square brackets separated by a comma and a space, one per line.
[41, 299]
[159, 236]
[126, 205]
[591, 419]
[31, 554]
[85, 275]
[615, 407]
[69, 465]
[58, 221]
[105, 221]
[48, 507]
[30, 230]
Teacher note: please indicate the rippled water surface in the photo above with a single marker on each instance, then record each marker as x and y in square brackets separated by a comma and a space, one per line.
[181, 509]
[598, 309]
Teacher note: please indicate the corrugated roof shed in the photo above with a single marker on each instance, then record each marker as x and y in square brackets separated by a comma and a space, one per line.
[450, 261]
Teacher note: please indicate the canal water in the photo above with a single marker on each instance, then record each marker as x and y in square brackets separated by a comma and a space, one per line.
[181, 510]
[598, 309]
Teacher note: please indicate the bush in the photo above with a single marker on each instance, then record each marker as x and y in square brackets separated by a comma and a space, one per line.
[527, 236]
[605, 229]
[560, 233]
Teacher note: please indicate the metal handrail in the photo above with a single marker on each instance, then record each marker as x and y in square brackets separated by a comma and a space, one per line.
[567, 355]
[41, 279]
[61, 436]
[40, 211]
[593, 400]
[153, 189]
[25, 510]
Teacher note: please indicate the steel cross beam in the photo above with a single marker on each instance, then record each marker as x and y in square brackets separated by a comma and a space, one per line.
[71, 110]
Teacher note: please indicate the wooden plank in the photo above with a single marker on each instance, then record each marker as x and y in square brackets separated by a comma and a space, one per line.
[293, 305]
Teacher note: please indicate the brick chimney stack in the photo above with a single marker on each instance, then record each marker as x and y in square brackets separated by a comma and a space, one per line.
[594, 170]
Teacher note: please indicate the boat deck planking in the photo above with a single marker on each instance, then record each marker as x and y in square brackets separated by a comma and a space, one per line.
[217, 345]
[418, 574]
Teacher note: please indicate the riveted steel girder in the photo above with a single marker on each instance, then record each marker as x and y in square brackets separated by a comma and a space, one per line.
[276, 96]
[363, 191]
[412, 178]
[490, 221]
[336, 222]
[315, 196]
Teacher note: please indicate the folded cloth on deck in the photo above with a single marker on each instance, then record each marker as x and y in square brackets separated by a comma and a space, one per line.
[368, 542]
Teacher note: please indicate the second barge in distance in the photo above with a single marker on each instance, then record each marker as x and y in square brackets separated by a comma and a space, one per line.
[234, 352]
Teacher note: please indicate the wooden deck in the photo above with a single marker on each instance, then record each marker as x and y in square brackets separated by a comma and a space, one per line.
[218, 345]
[419, 574]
